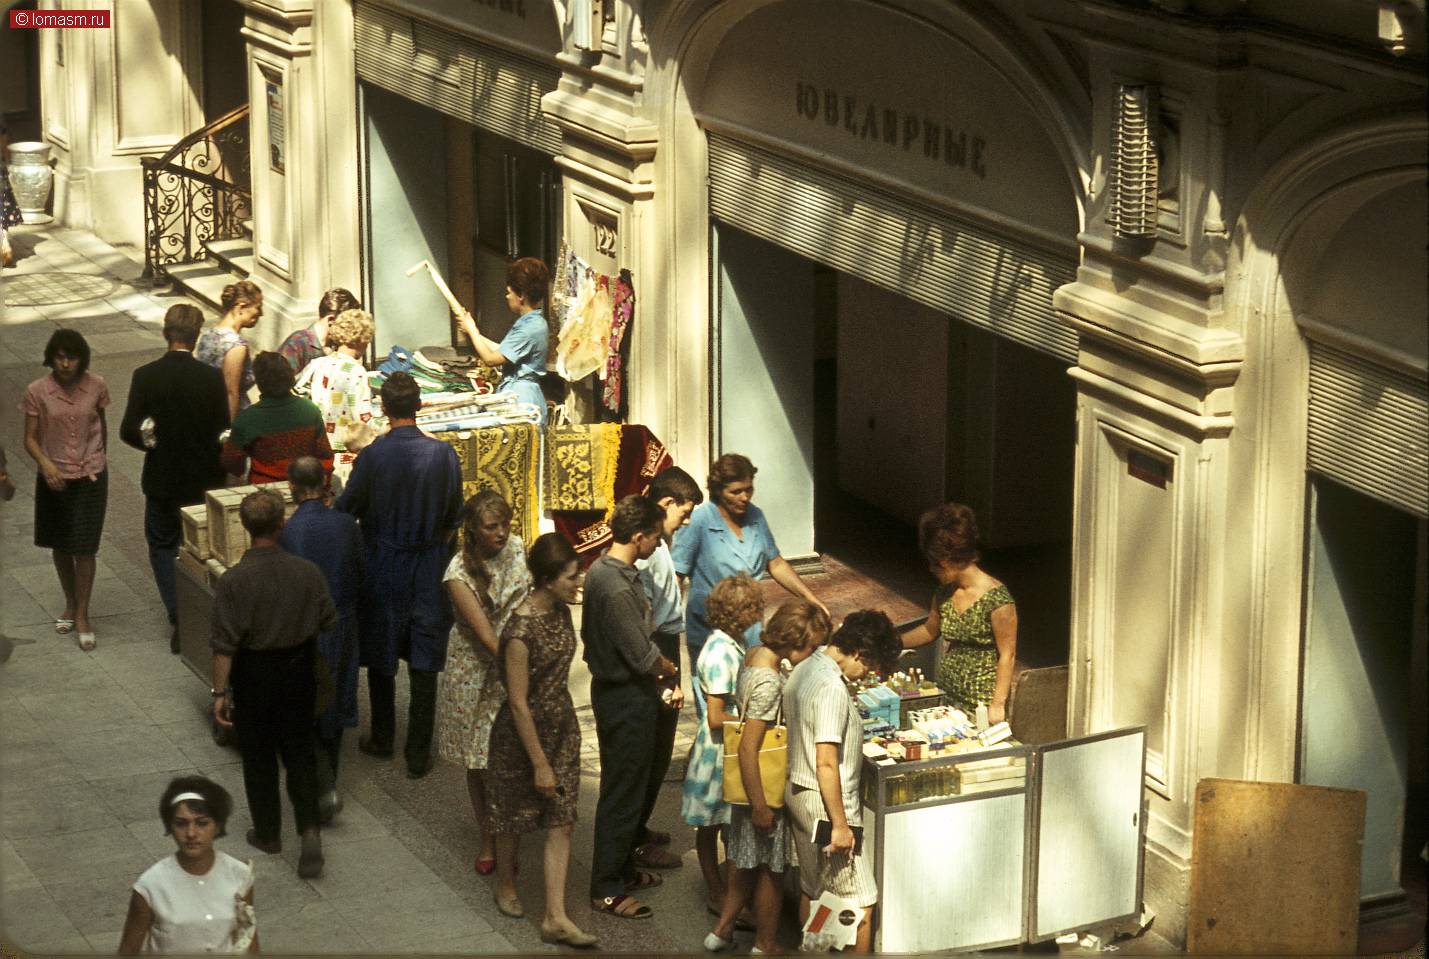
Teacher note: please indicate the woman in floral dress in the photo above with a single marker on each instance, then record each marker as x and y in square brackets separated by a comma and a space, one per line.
[972, 612]
[534, 775]
[734, 605]
[487, 580]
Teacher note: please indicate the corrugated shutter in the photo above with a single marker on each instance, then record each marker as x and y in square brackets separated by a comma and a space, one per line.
[1368, 427]
[947, 262]
[491, 88]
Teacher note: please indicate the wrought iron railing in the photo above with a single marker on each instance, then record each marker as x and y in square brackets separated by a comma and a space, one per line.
[198, 191]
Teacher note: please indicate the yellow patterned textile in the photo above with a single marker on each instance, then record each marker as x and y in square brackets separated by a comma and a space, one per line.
[503, 458]
[581, 464]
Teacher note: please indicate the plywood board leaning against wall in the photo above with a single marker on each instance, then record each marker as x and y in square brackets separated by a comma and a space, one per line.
[1275, 869]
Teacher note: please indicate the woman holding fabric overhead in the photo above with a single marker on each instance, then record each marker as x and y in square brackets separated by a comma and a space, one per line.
[521, 354]
[728, 535]
[972, 612]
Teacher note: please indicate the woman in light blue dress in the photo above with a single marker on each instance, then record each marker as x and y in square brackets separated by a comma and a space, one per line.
[735, 604]
[728, 535]
[521, 354]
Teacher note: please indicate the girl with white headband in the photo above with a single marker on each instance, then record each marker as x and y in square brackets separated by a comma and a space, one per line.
[199, 899]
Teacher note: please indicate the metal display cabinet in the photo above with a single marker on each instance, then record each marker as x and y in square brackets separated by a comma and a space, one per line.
[1057, 851]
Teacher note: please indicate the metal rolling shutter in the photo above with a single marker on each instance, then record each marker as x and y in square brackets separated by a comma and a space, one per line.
[491, 88]
[950, 263]
[1368, 427]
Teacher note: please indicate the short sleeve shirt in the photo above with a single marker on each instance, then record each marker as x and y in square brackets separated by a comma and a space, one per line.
[707, 551]
[71, 433]
[819, 709]
[194, 914]
[525, 346]
[301, 348]
[662, 588]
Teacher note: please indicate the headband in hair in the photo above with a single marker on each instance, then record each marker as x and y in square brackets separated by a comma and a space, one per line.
[183, 797]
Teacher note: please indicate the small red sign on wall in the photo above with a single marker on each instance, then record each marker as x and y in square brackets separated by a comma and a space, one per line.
[1148, 468]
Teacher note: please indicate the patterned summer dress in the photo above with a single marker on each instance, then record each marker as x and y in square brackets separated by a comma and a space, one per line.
[968, 671]
[516, 806]
[471, 693]
[760, 689]
[214, 344]
[717, 672]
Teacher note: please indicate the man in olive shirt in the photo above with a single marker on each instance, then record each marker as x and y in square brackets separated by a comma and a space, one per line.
[626, 670]
[267, 613]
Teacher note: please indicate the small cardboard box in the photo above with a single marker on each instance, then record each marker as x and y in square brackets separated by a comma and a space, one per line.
[195, 520]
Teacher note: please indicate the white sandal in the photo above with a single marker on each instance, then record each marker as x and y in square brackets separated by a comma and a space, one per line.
[64, 626]
[86, 642]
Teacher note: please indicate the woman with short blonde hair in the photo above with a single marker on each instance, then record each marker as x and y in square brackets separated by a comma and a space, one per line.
[339, 383]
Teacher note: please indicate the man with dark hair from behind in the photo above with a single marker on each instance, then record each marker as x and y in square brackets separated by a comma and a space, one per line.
[268, 611]
[332, 542]
[277, 429]
[626, 670]
[405, 491]
[826, 760]
[177, 409]
[677, 494]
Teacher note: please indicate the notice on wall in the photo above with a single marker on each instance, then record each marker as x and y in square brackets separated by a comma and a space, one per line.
[277, 123]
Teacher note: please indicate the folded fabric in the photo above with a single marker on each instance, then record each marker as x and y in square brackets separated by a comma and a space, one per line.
[580, 466]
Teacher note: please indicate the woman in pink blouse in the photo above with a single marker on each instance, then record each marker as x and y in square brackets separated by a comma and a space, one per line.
[65, 434]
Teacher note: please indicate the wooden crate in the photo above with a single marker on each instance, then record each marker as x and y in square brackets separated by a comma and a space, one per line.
[195, 520]
[215, 570]
[227, 538]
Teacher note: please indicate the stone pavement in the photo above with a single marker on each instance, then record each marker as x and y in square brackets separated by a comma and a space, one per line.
[88, 740]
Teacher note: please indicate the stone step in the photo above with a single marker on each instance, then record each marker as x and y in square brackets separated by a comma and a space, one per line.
[235, 254]
[204, 281]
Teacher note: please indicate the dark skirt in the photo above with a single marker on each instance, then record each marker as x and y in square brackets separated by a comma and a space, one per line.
[71, 520]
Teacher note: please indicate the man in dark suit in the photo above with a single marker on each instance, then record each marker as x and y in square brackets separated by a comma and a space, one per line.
[177, 409]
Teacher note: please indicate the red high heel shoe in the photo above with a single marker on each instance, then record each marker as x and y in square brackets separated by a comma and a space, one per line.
[484, 867]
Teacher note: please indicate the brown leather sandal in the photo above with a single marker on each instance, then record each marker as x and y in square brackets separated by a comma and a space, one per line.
[622, 907]
[652, 856]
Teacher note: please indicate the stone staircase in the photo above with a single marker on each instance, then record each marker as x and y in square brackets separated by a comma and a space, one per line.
[225, 262]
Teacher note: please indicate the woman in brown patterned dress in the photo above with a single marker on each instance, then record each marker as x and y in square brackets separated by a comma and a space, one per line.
[534, 769]
[972, 612]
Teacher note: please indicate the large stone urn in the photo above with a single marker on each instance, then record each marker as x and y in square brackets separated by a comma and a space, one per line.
[28, 168]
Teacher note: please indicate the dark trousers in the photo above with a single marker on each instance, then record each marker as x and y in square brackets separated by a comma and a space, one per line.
[273, 692]
[329, 750]
[421, 711]
[625, 715]
[666, 721]
[164, 531]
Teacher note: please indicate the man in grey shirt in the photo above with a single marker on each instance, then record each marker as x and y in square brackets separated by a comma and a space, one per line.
[626, 670]
[826, 762]
[267, 613]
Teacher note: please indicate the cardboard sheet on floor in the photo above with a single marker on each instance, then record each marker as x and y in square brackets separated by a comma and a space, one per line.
[1275, 869]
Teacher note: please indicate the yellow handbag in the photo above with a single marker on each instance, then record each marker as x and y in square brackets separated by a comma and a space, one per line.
[773, 763]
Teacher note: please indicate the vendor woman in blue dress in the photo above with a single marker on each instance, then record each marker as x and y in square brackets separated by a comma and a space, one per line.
[728, 535]
[521, 354]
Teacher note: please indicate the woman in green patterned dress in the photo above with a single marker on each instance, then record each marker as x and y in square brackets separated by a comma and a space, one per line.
[972, 613]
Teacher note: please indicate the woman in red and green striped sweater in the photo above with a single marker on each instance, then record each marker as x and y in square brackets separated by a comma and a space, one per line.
[277, 429]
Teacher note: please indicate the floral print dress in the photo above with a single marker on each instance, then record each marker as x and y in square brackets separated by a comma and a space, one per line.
[471, 693]
[213, 345]
[717, 673]
[968, 670]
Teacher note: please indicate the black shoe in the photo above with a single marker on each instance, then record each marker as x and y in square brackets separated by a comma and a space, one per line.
[271, 846]
[417, 768]
[310, 860]
[329, 805]
[376, 749]
[174, 641]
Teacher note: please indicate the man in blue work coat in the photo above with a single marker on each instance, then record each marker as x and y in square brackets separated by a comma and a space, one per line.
[405, 491]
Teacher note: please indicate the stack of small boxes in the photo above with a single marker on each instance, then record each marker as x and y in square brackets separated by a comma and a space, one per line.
[214, 537]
